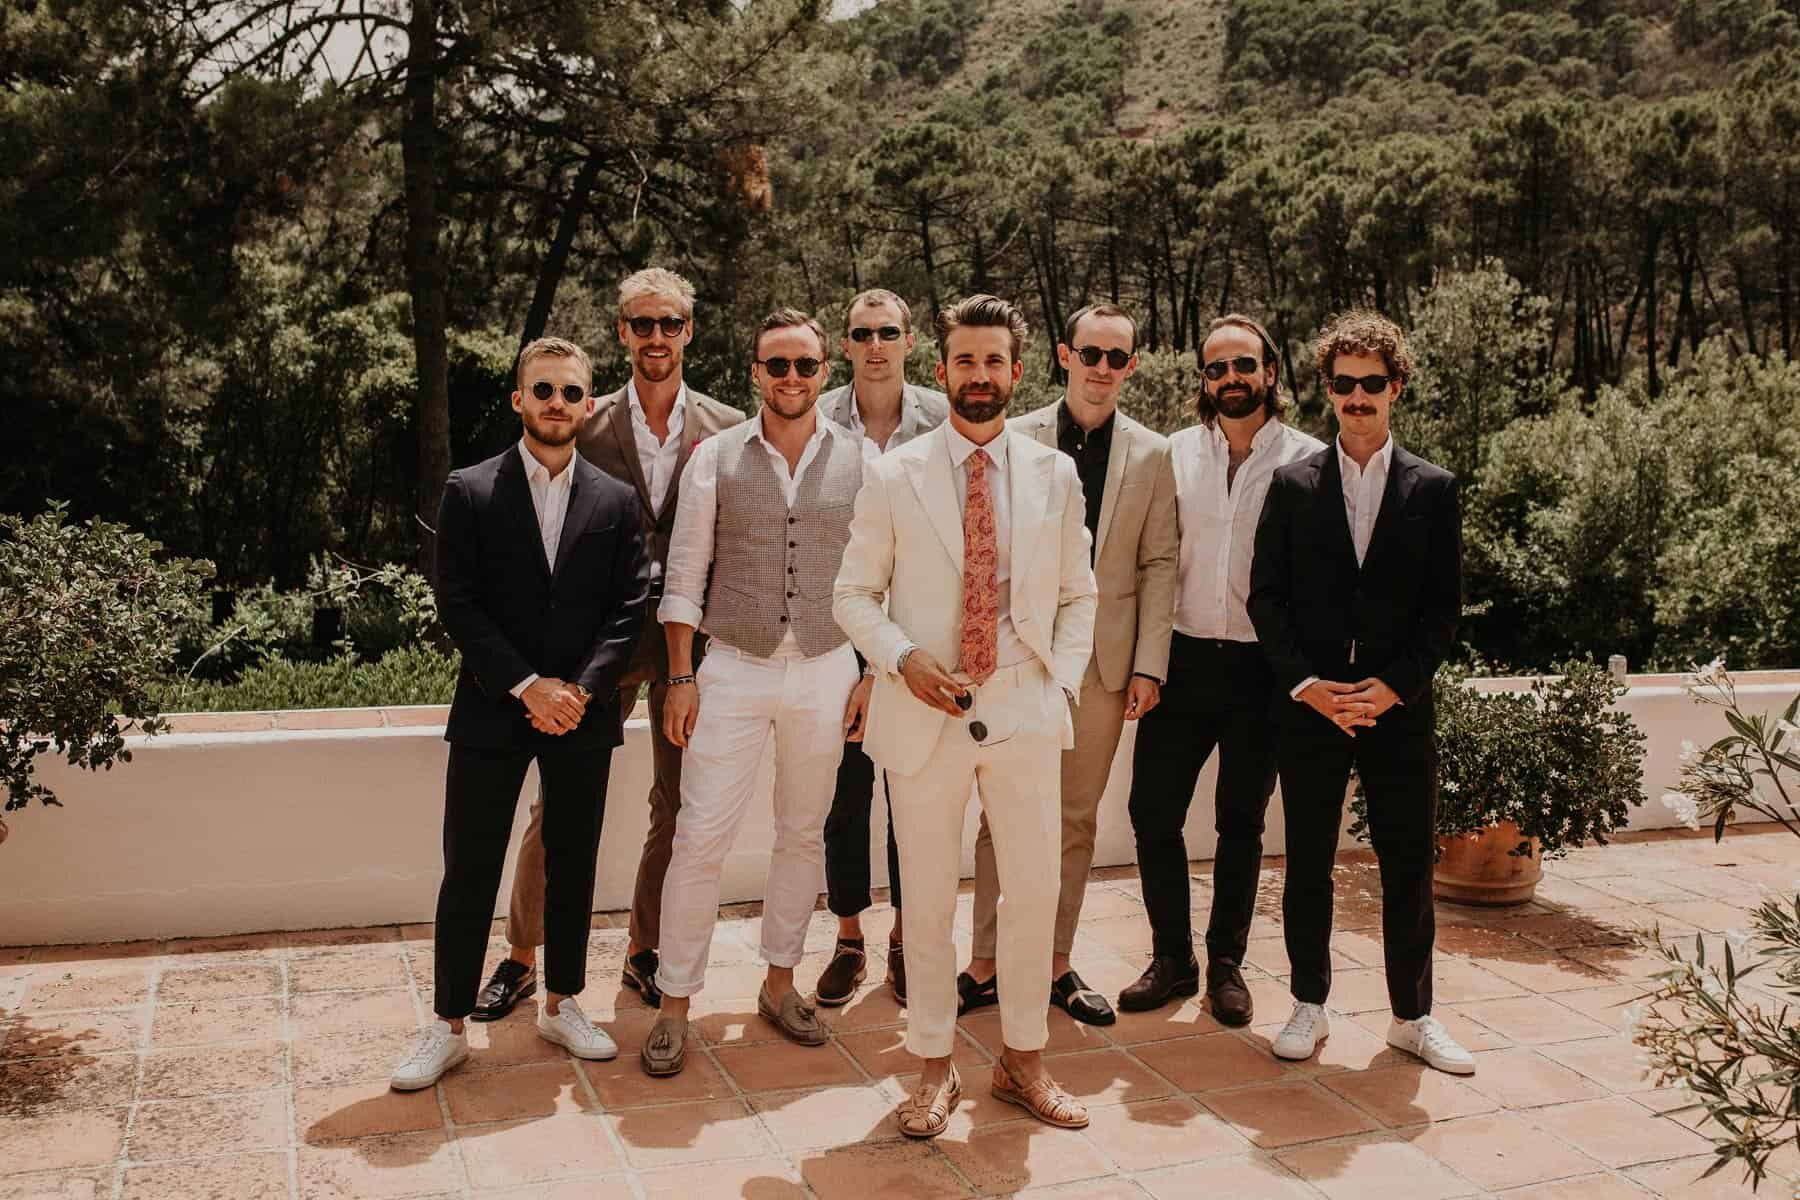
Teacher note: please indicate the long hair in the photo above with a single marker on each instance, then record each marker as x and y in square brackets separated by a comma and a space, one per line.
[1276, 402]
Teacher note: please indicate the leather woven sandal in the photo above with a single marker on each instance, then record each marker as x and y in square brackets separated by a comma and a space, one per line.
[1044, 1099]
[926, 1113]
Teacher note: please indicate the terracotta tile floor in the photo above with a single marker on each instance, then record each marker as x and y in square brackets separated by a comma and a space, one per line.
[255, 1066]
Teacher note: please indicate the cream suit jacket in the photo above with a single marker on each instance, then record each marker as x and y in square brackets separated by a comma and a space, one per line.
[1139, 556]
[906, 548]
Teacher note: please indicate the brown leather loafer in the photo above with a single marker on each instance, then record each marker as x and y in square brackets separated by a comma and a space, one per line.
[1227, 993]
[1166, 976]
[665, 1049]
[848, 967]
[793, 1016]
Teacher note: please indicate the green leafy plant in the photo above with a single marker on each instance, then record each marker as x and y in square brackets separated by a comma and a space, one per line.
[1560, 761]
[408, 675]
[1723, 1028]
[90, 614]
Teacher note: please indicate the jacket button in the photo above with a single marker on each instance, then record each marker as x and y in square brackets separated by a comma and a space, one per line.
[793, 520]
[792, 595]
[783, 618]
[790, 570]
[793, 545]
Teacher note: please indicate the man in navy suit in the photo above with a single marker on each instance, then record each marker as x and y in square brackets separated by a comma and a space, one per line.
[1355, 591]
[541, 581]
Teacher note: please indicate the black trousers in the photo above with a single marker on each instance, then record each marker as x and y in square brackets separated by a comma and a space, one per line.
[1397, 762]
[847, 835]
[481, 791]
[1216, 695]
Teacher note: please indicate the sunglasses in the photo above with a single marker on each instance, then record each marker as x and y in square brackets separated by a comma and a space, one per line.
[572, 393]
[1090, 356]
[1243, 364]
[806, 368]
[644, 326]
[1373, 385]
[888, 333]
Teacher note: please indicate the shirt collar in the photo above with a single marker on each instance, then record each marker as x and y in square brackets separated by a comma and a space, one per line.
[821, 430]
[537, 472]
[1271, 430]
[1384, 456]
[1067, 426]
[637, 406]
[961, 447]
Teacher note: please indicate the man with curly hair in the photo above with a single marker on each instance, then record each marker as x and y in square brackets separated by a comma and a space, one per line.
[1355, 590]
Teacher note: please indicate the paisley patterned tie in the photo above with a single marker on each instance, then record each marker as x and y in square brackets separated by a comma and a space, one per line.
[981, 587]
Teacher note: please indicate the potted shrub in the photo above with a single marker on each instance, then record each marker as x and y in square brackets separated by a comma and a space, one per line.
[1524, 776]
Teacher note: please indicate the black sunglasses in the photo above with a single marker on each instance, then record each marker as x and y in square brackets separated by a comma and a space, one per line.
[889, 333]
[572, 393]
[1243, 364]
[643, 326]
[778, 367]
[1372, 385]
[1090, 356]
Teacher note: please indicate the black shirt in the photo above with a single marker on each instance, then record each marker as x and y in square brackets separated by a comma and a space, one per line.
[1090, 452]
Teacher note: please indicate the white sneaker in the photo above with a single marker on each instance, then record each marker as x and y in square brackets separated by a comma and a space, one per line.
[438, 1050]
[1303, 1032]
[571, 1030]
[1427, 1038]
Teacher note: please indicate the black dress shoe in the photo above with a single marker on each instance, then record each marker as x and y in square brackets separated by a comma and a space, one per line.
[971, 995]
[1080, 1001]
[1165, 976]
[510, 983]
[1227, 993]
[640, 973]
[848, 967]
[896, 977]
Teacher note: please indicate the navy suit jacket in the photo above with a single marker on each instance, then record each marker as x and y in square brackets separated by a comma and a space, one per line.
[1310, 601]
[512, 616]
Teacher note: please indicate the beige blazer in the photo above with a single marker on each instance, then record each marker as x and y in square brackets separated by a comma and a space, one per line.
[1138, 559]
[906, 546]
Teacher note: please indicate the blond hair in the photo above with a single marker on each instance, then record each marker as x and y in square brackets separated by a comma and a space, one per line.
[550, 347]
[657, 281]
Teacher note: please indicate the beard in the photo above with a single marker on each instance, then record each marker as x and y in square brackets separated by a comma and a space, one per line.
[552, 433]
[777, 404]
[1239, 400]
[656, 369]
[981, 408]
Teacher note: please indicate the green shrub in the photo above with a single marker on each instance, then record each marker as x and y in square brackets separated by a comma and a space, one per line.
[408, 675]
[90, 615]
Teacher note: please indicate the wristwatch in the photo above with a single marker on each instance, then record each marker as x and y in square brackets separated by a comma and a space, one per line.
[582, 692]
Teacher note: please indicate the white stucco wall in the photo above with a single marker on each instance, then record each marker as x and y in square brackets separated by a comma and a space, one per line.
[249, 821]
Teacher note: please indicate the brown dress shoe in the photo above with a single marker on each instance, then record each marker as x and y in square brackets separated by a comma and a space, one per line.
[1044, 1099]
[896, 976]
[848, 967]
[1227, 993]
[793, 1016]
[1166, 976]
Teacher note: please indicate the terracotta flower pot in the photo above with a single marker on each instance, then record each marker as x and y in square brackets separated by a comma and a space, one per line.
[1479, 868]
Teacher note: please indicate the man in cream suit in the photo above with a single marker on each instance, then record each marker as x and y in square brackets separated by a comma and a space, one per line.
[1128, 489]
[975, 538]
[642, 435]
[885, 412]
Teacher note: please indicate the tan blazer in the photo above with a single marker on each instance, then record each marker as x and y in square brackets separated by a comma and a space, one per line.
[1138, 559]
[906, 545]
[607, 442]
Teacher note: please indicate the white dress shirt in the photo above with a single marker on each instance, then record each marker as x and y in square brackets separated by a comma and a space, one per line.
[550, 500]
[1010, 648]
[1218, 522]
[1363, 487]
[872, 449]
[657, 458]
[696, 521]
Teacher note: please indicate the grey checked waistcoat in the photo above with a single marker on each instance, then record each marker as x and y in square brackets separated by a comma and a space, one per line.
[774, 566]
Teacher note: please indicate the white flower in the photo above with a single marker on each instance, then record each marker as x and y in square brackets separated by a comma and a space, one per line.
[1740, 941]
[1684, 809]
[1709, 675]
[1785, 731]
[1688, 749]
[1451, 786]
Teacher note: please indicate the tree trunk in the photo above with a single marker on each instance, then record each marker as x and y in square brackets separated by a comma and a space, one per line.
[556, 260]
[925, 252]
[419, 155]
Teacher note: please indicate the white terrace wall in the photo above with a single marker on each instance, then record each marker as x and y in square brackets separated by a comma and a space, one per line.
[258, 821]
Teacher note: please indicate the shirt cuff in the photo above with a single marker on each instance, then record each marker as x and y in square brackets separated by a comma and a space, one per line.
[1147, 675]
[518, 689]
[1303, 685]
[678, 610]
[899, 654]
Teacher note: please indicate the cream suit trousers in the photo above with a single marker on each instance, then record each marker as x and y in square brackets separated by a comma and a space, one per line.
[1099, 723]
[745, 702]
[1014, 772]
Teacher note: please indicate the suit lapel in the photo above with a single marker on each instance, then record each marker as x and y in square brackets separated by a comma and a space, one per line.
[515, 493]
[1393, 504]
[934, 481]
[1115, 479]
[1334, 523]
[627, 439]
[912, 417]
